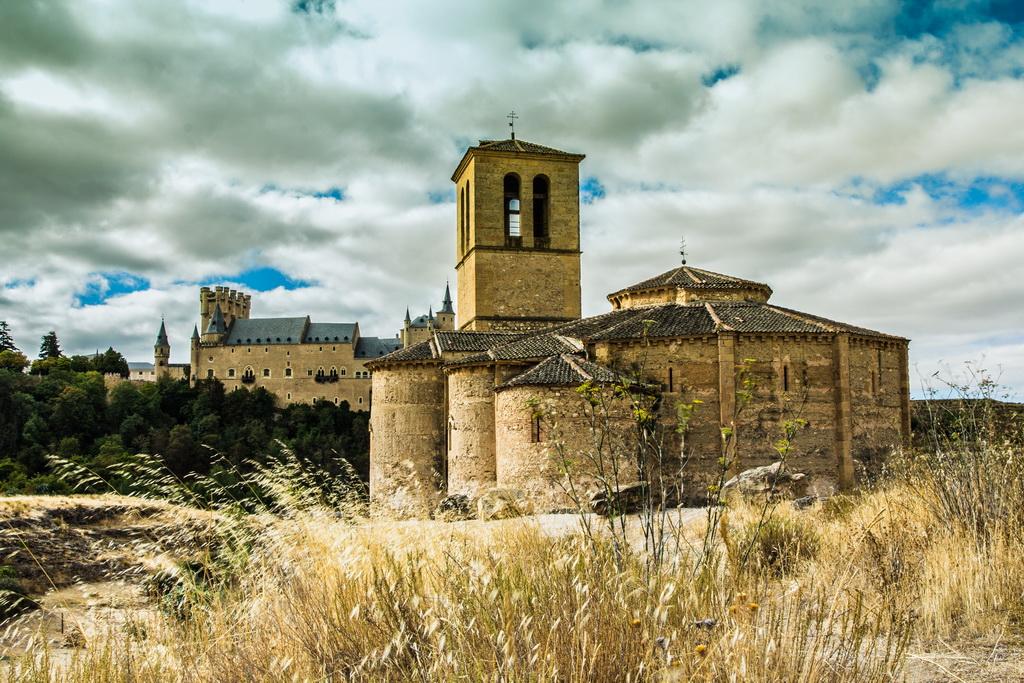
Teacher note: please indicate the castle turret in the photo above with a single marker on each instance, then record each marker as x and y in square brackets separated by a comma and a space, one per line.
[194, 356]
[445, 318]
[217, 328]
[161, 352]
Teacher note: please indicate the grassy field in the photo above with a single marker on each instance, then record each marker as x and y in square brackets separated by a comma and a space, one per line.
[918, 579]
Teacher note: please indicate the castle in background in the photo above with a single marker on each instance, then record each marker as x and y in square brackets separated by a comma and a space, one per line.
[296, 359]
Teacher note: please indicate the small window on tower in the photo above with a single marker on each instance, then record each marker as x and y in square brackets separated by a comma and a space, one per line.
[513, 234]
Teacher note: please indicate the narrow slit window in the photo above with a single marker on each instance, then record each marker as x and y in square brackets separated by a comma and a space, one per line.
[785, 378]
[536, 432]
[671, 381]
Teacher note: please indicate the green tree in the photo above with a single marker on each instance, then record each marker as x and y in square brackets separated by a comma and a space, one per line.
[110, 362]
[6, 340]
[50, 346]
[15, 361]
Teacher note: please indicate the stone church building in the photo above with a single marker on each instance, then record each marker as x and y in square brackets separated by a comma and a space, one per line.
[490, 400]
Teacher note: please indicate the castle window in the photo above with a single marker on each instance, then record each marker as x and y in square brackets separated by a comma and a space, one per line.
[266, 372]
[360, 400]
[334, 371]
[785, 378]
[541, 237]
[231, 372]
[287, 372]
[289, 395]
[209, 374]
[335, 400]
[211, 359]
[671, 381]
[309, 373]
[513, 234]
[535, 432]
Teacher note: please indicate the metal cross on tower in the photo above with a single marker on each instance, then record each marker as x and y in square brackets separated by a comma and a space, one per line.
[512, 122]
[682, 249]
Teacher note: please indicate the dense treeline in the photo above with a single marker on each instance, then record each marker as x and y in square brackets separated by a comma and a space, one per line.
[70, 413]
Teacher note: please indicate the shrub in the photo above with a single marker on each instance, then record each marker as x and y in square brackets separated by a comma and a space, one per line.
[776, 544]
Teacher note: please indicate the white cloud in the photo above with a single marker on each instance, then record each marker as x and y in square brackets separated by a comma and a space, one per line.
[180, 140]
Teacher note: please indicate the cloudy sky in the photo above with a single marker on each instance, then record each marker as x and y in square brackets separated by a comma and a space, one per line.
[866, 160]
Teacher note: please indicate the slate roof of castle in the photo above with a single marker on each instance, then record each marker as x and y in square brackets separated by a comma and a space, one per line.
[267, 331]
[421, 321]
[161, 336]
[689, 277]
[139, 365]
[563, 370]
[375, 347]
[342, 333]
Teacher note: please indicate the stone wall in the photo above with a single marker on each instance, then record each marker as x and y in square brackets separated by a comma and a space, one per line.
[304, 361]
[536, 461]
[407, 439]
[789, 378]
[878, 393]
[471, 466]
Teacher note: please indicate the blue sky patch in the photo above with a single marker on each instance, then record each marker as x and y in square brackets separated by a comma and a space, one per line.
[20, 282]
[102, 287]
[991, 193]
[591, 190]
[260, 279]
[720, 74]
[336, 193]
[442, 196]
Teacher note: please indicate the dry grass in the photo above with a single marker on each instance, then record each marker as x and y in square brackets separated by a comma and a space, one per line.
[842, 592]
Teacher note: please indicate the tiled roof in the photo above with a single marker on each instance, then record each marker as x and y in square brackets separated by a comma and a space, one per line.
[342, 333]
[689, 277]
[563, 370]
[423, 351]
[512, 145]
[531, 347]
[267, 331]
[139, 365]
[654, 322]
[472, 341]
[375, 347]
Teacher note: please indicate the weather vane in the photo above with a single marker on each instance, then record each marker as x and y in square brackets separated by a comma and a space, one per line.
[512, 122]
[682, 249]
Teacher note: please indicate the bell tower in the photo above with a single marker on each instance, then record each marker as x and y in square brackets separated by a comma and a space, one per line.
[517, 245]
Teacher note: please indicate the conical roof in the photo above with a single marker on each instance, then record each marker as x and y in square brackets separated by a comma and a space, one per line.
[217, 325]
[195, 332]
[447, 302]
[161, 336]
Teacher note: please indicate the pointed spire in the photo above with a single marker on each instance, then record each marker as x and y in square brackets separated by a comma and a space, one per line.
[408, 318]
[447, 307]
[430, 313]
[195, 333]
[217, 325]
[161, 336]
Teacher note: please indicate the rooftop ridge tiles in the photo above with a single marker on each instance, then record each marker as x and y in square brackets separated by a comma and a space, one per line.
[718, 321]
